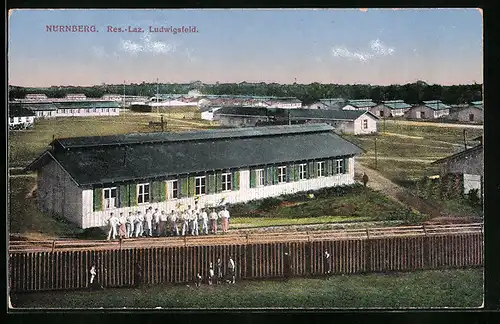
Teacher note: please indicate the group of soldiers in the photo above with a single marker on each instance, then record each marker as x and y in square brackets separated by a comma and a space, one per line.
[177, 222]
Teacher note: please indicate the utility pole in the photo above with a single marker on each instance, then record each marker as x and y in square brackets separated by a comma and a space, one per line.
[123, 93]
[465, 142]
[375, 153]
[162, 130]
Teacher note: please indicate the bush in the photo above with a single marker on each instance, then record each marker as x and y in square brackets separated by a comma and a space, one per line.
[269, 203]
[407, 215]
[473, 197]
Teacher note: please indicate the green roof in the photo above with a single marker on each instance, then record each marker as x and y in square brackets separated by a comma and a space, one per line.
[396, 104]
[86, 104]
[35, 106]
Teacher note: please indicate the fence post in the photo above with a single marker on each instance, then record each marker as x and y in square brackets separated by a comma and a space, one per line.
[368, 252]
[426, 256]
[53, 245]
[308, 250]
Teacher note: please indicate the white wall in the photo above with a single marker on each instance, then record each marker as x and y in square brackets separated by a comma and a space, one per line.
[245, 193]
[358, 125]
[83, 112]
[45, 113]
[21, 120]
[58, 194]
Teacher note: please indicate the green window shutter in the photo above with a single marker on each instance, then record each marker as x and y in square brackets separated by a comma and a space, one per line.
[124, 196]
[269, 176]
[152, 191]
[184, 187]
[98, 199]
[275, 175]
[253, 179]
[329, 167]
[218, 181]
[162, 191]
[192, 186]
[236, 180]
[346, 165]
[211, 183]
[296, 170]
[133, 194]
[311, 170]
[289, 173]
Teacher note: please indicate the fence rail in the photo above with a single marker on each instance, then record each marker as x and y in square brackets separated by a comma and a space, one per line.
[165, 261]
[244, 238]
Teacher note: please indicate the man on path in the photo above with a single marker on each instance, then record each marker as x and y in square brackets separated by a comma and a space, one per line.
[203, 217]
[112, 222]
[327, 263]
[93, 274]
[224, 216]
[185, 222]
[365, 179]
[194, 222]
[173, 218]
[219, 271]
[232, 270]
[210, 274]
[213, 221]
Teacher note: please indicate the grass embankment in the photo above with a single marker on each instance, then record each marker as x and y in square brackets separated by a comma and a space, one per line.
[423, 289]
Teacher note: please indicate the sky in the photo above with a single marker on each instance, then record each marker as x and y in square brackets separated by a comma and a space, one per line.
[341, 46]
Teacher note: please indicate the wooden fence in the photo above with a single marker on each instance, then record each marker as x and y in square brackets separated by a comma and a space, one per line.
[354, 252]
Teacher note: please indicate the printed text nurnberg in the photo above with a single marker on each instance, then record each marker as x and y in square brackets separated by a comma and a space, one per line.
[121, 29]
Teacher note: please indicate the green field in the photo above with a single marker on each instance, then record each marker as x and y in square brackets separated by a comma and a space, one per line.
[399, 143]
[25, 146]
[423, 289]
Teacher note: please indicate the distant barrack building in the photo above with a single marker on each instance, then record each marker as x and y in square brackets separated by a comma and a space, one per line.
[84, 179]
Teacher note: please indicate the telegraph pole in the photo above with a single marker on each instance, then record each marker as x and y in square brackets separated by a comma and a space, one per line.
[375, 153]
[465, 142]
[123, 93]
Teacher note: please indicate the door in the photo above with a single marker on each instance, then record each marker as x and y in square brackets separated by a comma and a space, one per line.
[472, 181]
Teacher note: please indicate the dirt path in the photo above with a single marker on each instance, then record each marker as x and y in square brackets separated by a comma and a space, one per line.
[402, 195]
[391, 158]
[428, 123]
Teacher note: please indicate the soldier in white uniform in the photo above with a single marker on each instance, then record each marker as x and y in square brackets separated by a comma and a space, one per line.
[185, 222]
[139, 220]
[122, 223]
[148, 219]
[224, 215]
[232, 269]
[203, 217]
[130, 224]
[194, 222]
[211, 274]
[173, 218]
[112, 222]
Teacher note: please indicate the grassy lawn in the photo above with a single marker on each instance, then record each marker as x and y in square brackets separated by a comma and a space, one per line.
[25, 146]
[423, 289]
[250, 222]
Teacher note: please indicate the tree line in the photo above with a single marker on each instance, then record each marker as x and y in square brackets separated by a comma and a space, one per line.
[411, 93]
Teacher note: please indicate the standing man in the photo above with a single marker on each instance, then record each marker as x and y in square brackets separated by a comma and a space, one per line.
[130, 225]
[204, 221]
[93, 274]
[213, 221]
[112, 222]
[156, 222]
[211, 274]
[162, 225]
[173, 218]
[220, 276]
[365, 179]
[224, 216]
[185, 222]
[122, 221]
[139, 220]
[232, 270]
[194, 222]
[148, 219]
[327, 263]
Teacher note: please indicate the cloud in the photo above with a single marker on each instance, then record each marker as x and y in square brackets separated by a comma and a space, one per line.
[147, 45]
[100, 52]
[376, 46]
[190, 56]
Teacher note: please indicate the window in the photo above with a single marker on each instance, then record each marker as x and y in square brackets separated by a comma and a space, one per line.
[143, 193]
[321, 169]
[200, 186]
[281, 174]
[302, 171]
[226, 182]
[422, 114]
[365, 123]
[109, 198]
[381, 113]
[173, 189]
[12, 120]
[259, 175]
[339, 166]
[471, 117]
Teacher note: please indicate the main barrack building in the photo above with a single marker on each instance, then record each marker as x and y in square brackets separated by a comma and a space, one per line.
[84, 179]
